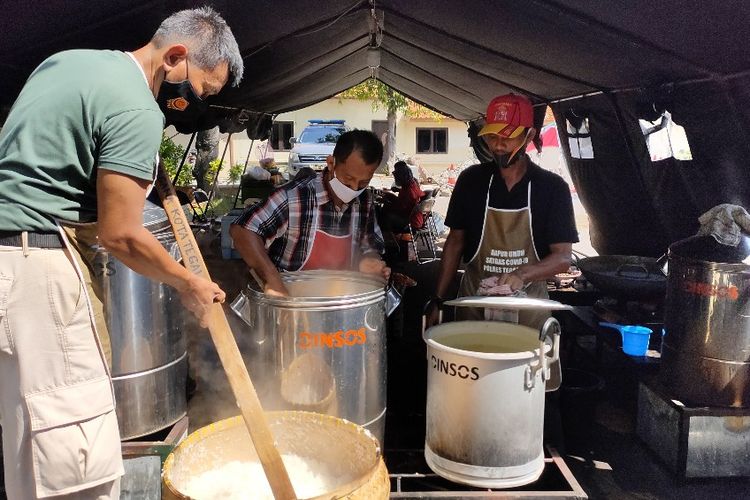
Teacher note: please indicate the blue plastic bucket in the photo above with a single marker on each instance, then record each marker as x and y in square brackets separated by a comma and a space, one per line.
[634, 338]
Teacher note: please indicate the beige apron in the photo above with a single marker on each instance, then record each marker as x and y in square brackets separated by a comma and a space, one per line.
[507, 242]
[82, 241]
[68, 442]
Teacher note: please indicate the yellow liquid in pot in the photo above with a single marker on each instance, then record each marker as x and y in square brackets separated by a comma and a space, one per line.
[489, 342]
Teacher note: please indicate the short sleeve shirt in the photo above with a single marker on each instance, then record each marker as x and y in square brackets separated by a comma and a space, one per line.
[287, 221]
[552, 218]
[79, 111]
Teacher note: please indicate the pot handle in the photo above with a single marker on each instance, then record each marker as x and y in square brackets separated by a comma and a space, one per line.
[392, 299]
[662, 263]
[240, 307]
[424, 320]
[633, 265]
[551, 329]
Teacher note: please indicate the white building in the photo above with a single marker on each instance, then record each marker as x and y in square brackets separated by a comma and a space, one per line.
[434, 144]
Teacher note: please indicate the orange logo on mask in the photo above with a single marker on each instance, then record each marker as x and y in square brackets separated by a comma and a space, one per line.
[178, 103]
[333, 340]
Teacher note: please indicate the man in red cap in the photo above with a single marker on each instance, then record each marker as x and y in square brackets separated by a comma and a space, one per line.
[511, 221]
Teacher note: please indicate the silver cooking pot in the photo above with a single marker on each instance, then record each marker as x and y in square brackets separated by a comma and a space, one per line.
[323, 348]
[706, 348]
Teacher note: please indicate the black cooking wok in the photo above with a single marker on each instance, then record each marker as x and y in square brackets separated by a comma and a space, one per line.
[625, 276]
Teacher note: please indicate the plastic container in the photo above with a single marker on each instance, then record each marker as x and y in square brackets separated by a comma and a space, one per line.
[485, 402]
[634, 338]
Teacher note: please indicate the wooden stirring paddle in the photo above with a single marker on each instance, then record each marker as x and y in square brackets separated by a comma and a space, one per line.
[229, 353]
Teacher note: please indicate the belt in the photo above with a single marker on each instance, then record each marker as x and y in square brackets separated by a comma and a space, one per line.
[35, 240]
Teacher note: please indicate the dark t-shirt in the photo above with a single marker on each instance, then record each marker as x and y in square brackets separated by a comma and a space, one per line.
[552, 219]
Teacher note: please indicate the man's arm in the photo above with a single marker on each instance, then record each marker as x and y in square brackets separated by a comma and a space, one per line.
[558, 261]
[257, 225]
[372, 246]
[253, 251]
[120, 200]
[449, 262]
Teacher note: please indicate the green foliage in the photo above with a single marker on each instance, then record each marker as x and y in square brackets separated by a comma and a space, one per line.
[393, 101]
[213, 167]
[235, 172]
[171, 155]
[380, 93]
[221, 204]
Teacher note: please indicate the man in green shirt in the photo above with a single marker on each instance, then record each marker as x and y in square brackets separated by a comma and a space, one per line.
[79, 146]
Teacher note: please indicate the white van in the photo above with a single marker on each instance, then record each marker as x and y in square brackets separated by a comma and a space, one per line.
[314, 145]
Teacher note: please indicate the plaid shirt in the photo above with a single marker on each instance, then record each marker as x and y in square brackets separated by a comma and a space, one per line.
[288, 219]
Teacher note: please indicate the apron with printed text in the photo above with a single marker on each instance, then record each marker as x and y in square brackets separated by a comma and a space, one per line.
[506, 243]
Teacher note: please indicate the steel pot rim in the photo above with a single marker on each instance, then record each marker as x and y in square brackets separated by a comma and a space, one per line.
[374, 295]
[494, 356]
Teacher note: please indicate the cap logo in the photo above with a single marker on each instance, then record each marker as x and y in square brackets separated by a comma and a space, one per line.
[501, 115]
[178, 103]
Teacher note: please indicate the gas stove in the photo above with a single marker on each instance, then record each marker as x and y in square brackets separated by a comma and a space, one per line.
[411, 478]
[630, 312]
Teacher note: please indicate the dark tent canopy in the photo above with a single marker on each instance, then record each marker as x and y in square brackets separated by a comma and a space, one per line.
[609, 63]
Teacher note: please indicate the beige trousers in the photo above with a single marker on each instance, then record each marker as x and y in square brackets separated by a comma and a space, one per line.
[60, 435]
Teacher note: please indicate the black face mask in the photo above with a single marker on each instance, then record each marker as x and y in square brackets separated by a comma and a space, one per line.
[505, 160]
[181, 106]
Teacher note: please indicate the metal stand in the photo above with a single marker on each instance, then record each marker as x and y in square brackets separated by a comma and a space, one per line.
[143, 462]
[694, 442]
[556, 481]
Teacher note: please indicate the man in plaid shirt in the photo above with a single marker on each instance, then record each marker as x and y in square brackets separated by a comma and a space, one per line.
[325, 221]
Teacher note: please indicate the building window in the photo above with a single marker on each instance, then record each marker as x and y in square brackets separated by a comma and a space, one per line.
[432, 140]
[665, 139]
[281, 132]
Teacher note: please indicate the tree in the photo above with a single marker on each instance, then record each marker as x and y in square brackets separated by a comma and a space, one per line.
[394, 102]
[206, 150]
[170, 154]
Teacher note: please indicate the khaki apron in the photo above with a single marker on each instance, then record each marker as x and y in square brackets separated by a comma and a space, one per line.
[507, 242]
[82, 242]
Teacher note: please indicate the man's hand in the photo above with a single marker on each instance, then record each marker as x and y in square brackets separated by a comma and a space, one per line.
[198, 295]
[432, 314]
[514, 280]
[276, 288]
[372, 265]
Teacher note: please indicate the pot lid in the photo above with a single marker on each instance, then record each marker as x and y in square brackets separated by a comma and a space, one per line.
[519, 303]
[706, 248]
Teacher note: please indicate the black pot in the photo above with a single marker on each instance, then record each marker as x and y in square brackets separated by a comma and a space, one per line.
[625, 276]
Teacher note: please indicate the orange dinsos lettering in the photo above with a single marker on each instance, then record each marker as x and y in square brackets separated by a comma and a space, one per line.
[333, 340]
[708, 290]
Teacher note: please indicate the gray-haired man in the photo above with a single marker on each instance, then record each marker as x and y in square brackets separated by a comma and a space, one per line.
[79, 146]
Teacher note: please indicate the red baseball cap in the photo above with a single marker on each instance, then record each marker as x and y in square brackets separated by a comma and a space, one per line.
[508, 115]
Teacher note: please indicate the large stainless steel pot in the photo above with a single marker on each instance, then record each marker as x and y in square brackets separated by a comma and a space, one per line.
[145, 320]
[323, 349]
[706, 350]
